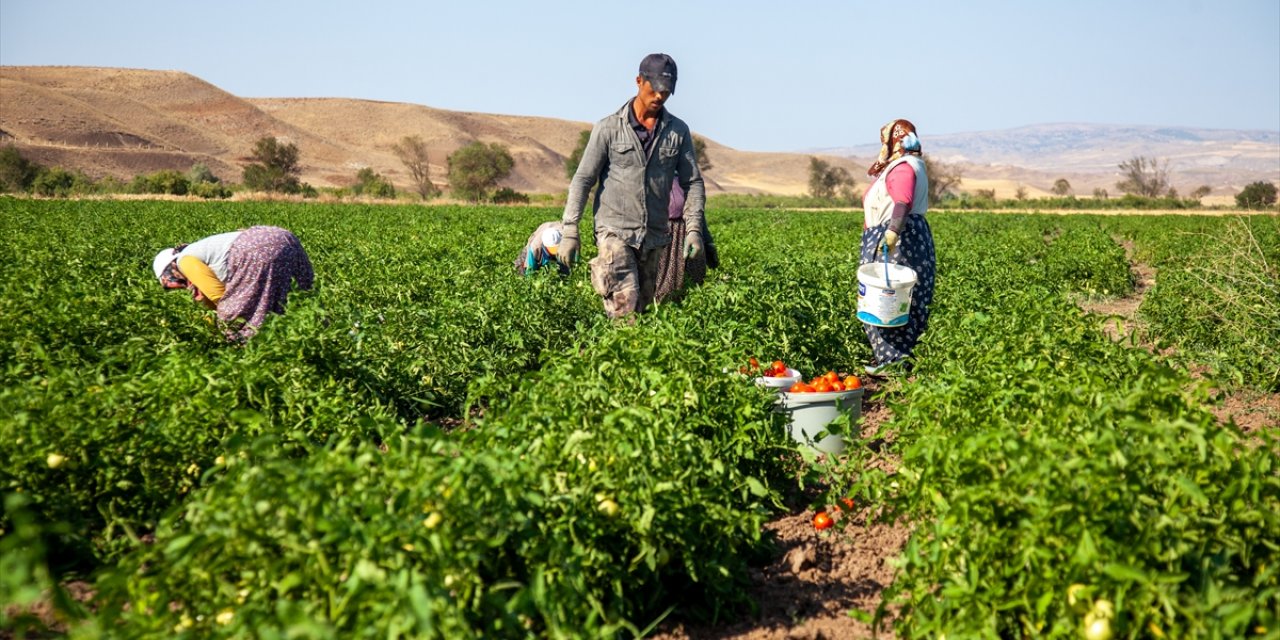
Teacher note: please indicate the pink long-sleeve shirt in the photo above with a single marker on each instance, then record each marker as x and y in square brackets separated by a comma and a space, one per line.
[901, 184]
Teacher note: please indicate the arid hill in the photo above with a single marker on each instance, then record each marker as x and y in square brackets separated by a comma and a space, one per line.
[122, 122]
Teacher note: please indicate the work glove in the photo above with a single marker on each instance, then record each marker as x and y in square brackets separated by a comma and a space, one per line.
[891, 239]
[567, 252]
[693, 244]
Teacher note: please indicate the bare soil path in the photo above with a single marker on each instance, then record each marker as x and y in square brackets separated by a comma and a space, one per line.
[1251, 410]
[812, 581]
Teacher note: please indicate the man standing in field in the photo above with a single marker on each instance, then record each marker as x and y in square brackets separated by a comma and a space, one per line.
[635, 154]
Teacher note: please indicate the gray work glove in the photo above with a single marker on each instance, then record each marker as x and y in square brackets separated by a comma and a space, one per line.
[693, 244]
[567, 252]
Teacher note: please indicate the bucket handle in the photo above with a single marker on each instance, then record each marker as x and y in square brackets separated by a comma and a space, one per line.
[887, 283]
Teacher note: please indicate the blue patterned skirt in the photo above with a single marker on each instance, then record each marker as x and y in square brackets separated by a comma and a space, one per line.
[915, 250]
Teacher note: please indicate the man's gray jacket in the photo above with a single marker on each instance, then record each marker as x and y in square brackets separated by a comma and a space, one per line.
[632, 199]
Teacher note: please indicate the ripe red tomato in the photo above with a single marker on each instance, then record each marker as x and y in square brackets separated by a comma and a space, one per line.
[848, 503]
[831, 376]
[822, 521]
[837, 386]
[798, 387]
[779, 367]
[755, 364]
[852, 382]
[822, 387]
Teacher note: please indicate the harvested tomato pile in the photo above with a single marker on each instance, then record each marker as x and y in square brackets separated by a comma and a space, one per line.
[826, 383]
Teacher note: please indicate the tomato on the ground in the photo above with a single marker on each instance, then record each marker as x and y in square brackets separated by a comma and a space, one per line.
[822, 521]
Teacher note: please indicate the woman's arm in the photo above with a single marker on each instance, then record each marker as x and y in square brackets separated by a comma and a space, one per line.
[901, 184]
[207, 285]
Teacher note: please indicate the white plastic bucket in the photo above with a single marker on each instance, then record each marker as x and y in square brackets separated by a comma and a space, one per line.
[812, 413]
[881, 303]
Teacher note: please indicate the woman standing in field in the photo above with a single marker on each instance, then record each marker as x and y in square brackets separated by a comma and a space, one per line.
[673, 266]
[242, 274]
[894, 207]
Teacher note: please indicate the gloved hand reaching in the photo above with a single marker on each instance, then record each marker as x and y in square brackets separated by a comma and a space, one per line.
[891, 239]
[567, 252]
[693, 244]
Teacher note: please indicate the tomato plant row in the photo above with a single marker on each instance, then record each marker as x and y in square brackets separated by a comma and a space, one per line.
[429, 446]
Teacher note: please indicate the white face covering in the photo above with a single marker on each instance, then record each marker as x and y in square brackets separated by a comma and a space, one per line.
[551, 240]
[162, 260]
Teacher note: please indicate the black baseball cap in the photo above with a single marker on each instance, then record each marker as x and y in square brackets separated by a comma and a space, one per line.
[660, 70]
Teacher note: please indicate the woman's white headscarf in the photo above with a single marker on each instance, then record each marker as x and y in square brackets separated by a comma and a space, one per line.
[163, 259]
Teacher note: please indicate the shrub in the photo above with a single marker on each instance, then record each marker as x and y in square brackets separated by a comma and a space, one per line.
[507, 195]
[275, 167]
[167, 181]
[16, 172]
[575, 157]
[372, 184]
[200, 172]
[944, 178]
[1256, 195]
[1144, 177]
[412, 152]
[54, 182]
[112, 184]
[209, 190]
[477, 168]
[825, 181]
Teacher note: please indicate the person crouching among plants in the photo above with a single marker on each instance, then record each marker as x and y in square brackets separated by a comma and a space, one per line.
[243, 275]
[540, 250]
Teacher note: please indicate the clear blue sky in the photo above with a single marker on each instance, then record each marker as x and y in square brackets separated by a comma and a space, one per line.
[766, 76]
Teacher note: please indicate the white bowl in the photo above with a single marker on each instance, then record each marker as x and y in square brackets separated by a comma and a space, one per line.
[781, 382]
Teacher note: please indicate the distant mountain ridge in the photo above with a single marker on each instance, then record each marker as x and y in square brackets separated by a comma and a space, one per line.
[1033, 157]
[122, 122]
[1081, 147]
